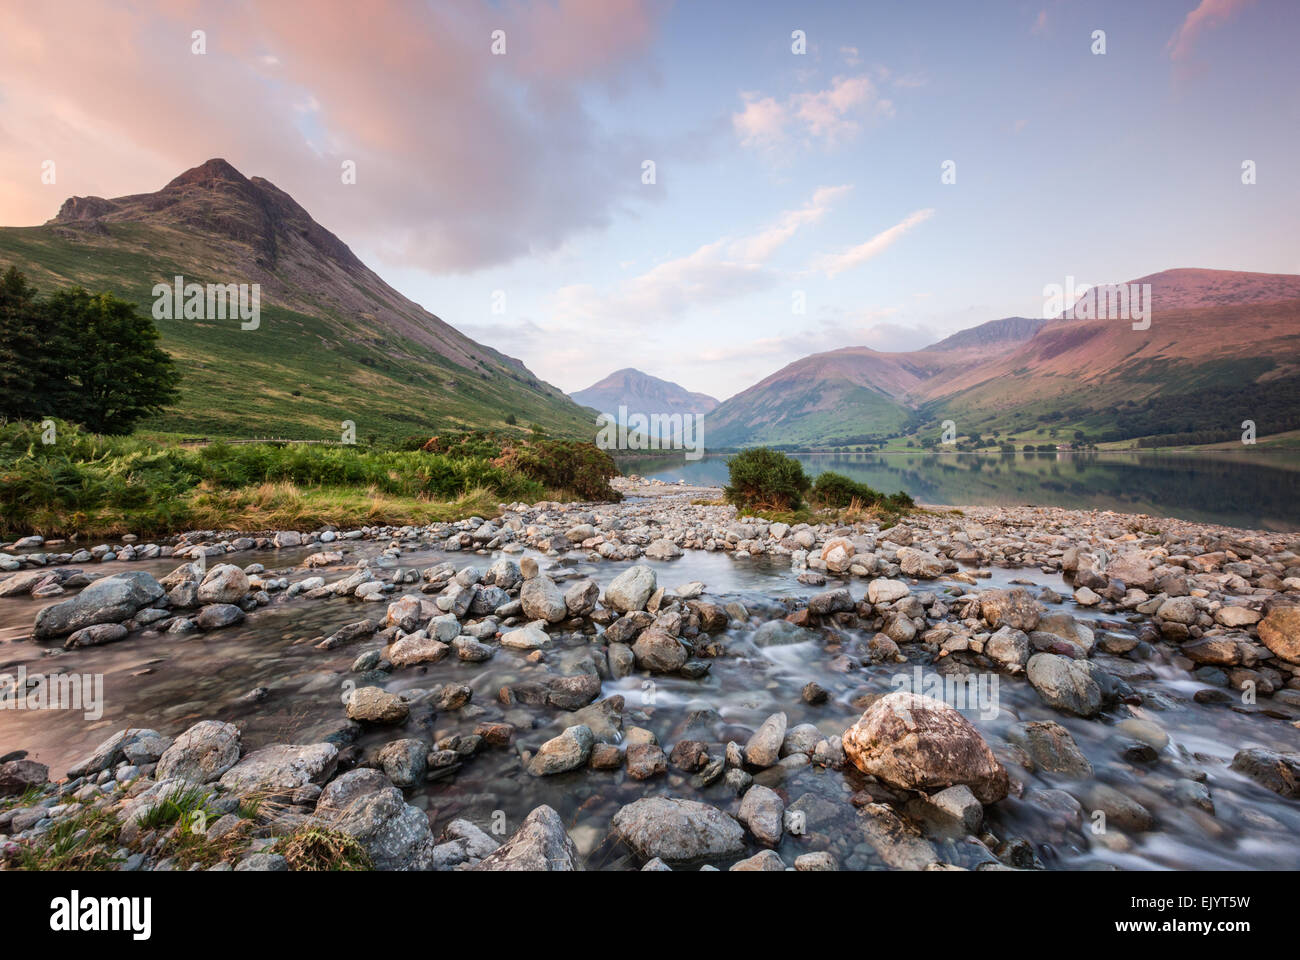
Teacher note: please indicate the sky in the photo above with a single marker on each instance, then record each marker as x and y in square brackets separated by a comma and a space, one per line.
[798, 200]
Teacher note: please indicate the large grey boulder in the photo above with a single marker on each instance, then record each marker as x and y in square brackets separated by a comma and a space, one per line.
[110, 600]
[280, 769]
[1065, 684]
[678, 831]
[631, 589]
[136, 744]
[762, 810]
[542, 600]
[540, 844]
[365, 805]
[764, 747]
[201, 754]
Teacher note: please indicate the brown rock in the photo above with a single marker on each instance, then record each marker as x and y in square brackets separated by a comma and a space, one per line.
[1280, 632]
[915, 742]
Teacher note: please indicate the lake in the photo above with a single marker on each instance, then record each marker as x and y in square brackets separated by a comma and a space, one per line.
[1255, 489]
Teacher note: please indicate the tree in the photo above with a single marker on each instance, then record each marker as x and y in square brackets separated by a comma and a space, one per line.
[107, 370]
[20, 346]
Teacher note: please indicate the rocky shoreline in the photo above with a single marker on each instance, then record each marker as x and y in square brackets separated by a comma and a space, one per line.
[910, 783]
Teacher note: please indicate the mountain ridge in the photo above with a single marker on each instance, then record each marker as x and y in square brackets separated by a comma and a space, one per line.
[336, 341]
[1006, 373]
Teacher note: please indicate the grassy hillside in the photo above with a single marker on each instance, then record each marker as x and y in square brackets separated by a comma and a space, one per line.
[298, 375]
[335, 342]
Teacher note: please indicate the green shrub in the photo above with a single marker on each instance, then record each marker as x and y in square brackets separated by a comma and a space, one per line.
[836, 490]
[761, 477]
[575, 466]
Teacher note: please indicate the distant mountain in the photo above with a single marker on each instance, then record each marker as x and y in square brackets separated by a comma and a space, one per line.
[642, 393]
[837, 396]
[1223, 346]
[335, 342]
[995, 333]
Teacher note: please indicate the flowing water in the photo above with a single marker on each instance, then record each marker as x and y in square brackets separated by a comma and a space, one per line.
[168, 682]
[1254, 488]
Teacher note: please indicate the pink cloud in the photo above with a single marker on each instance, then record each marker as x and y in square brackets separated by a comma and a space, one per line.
[830, 116]
[464, 159]
[1207, 15]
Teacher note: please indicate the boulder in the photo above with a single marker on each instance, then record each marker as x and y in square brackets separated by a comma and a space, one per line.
[1279, 772]
[663, 550]
[581, 598]
[677, 831]
[404, 762]
[764, 747]
[1009, 647]
[214, 616]
[658, 651]
[568, 751]
[19, 776]
[110, 600]
[1280, 632]
[201, 754]
[1066, 684]
[225, 583]
[280, 769]
[1014, 608]
[528, 637]
[540, 844]
[919, 564]
[375, 705]
[919, 743]
[417, 648]
[542, 600]
[887, 591]
[1049, 746]
[631, 589]
[762, 811]
[365, 805]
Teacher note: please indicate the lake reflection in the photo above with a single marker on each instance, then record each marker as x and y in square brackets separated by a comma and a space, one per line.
[1252, 489]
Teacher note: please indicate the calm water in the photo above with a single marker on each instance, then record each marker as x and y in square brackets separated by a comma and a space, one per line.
[1256, 489]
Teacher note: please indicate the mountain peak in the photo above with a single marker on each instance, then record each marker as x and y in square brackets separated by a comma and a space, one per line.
[210, 174]
[217, 200]
[642, 393]
[1005, 331]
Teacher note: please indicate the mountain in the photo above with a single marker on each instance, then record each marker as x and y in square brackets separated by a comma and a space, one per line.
[994, 333]
[334, 343]
[1222, 346]
[641, 393]
[842, 396]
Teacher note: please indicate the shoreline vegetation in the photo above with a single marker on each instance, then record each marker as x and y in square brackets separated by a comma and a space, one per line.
[58, 480]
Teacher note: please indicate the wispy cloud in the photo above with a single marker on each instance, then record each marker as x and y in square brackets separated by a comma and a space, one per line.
[833, 264]
[718, 271]
[765, 243]
[1207, 15]
[829, 117]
